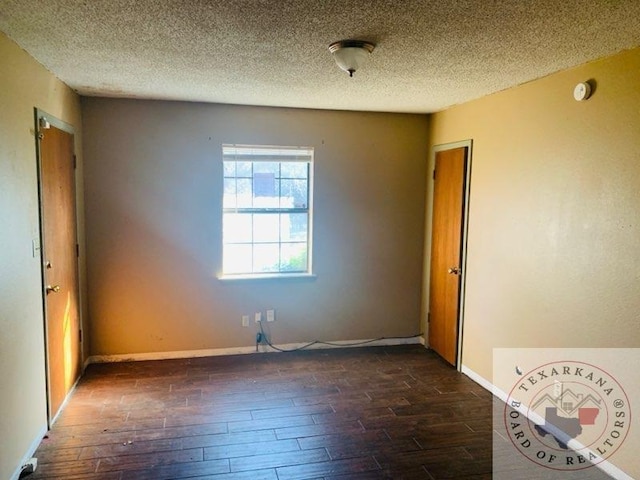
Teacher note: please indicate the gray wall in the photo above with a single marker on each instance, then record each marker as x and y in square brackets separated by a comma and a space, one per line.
[153, 181]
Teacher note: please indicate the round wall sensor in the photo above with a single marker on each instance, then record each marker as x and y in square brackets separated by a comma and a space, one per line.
[582, 91]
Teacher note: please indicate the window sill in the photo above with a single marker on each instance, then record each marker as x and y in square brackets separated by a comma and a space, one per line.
[266, 277]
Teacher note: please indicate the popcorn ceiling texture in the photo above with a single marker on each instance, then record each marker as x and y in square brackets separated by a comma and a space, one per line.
[430, 54]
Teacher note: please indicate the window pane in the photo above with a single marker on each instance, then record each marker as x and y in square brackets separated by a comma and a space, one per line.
[267, 167]
[237, 259]
[293, 257]
[243, 169]
[265, 257]
[229, 169]
[293, 194]
[293, 227]
[236, 228]
[265, 190]
[266, 227]
[244, 193]
[229, 198]
[294, 170]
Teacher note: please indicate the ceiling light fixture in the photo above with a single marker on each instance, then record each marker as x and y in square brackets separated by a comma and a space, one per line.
[350, 54]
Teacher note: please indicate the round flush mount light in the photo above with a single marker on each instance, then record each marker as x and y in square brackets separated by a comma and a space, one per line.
[582, 91]
[350, 54]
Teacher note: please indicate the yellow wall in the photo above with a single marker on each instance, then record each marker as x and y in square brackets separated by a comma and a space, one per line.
[554, 226]
[24, 84]
[153, 204]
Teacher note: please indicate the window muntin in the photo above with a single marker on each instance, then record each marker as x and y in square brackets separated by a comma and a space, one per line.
[266, 210]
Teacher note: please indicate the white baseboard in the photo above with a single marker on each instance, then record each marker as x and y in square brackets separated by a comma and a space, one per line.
[66, 400]
[213, 352]
[484, 383]
[605, 465]
[35, 443]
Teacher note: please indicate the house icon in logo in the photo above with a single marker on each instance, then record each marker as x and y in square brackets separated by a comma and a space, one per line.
[560, 414]
[568, 403]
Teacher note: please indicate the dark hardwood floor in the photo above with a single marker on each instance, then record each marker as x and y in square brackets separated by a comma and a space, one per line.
[360, 413]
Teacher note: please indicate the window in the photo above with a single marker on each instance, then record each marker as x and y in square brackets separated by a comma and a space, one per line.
[266, 210]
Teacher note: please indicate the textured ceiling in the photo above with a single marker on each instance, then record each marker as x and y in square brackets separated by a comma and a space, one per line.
[430, 54]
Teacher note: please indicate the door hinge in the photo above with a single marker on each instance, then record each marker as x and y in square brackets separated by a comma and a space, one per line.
[44, 124]
[80, 335]
[75, 162]
[429, 317]
[77, 250]
[434, 173]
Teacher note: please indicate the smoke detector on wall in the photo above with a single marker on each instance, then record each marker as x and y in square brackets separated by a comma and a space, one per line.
[582, 91]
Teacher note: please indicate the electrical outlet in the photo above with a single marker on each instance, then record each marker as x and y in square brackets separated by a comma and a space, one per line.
[271, 315]
[245, 320]
[258, 317]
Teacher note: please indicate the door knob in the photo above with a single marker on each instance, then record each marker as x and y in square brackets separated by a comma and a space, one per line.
[54, 289]
[454, 271]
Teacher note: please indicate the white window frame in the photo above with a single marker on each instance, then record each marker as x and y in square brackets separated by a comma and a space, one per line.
[267, 153]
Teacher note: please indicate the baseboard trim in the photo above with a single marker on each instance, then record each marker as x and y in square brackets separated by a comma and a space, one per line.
[35, 443]
[484, 383]
[605, 465]
[66, 399]
[214, 352]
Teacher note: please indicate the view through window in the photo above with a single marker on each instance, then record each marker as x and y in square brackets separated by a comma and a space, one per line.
[266, 210]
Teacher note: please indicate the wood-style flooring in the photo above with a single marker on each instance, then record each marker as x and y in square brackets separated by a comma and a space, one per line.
[359, 413]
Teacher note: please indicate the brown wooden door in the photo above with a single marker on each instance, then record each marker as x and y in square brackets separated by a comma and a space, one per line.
[60, 272]
[446, 251]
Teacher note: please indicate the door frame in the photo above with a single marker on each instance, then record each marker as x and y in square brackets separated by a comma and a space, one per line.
[463, 239]
[41, 115]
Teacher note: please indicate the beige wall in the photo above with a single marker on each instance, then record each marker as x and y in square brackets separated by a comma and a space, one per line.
[554, 230]
[153, 182]
[24, 84]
